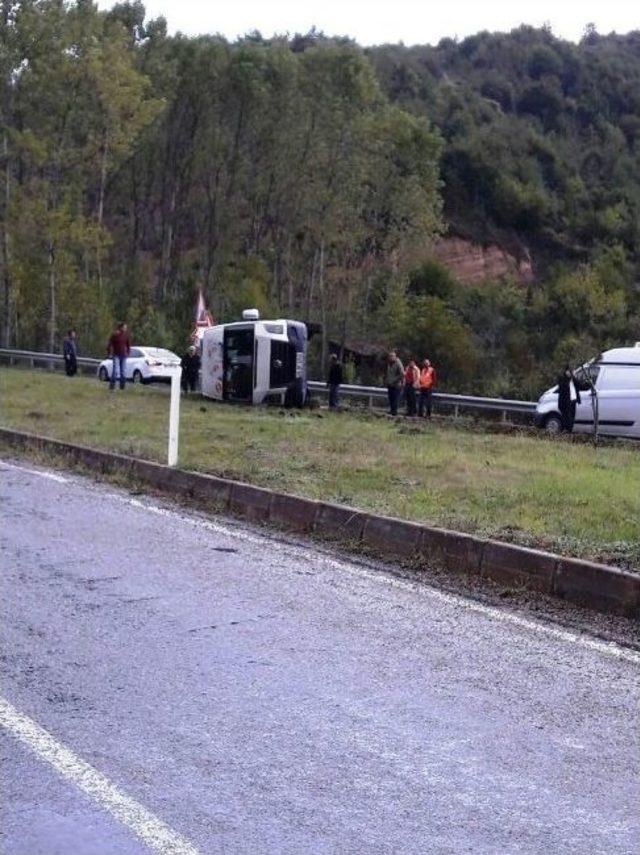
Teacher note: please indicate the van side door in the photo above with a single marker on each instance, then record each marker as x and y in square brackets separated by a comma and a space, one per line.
[619, 400]
[585, 378]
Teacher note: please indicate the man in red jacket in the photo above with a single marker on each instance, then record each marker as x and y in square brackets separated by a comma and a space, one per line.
[118, 349]
[427, 385]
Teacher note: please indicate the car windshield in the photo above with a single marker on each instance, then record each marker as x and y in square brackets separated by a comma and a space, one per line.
[160, 353]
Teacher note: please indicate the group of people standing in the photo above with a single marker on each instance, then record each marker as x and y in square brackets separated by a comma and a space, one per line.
[417, 383]
[118, 349]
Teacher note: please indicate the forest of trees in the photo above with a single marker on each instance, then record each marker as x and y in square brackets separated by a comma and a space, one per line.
[310, 178]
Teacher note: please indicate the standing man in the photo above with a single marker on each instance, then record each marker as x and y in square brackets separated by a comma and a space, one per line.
[427, 385]
[190, 370]
[118, 349]
[568, 398]
[411, 386]
[70, 353]
[334, 381]
[394, 380]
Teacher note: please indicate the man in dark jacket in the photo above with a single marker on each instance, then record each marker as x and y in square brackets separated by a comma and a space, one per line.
[394, 381]
[118, 348]
[190, 370]
[568, 398]
[70, 354]
[335, 381]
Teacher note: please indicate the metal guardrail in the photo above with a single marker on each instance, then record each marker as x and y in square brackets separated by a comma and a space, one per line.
[35, 357]
[372, 395]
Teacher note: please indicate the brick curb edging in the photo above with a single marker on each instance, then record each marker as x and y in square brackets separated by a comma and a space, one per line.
[585, 583]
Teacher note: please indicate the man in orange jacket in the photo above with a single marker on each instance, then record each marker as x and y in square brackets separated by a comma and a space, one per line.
[427, 385]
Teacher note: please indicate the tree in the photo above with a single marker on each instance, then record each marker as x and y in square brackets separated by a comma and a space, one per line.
[80, 104]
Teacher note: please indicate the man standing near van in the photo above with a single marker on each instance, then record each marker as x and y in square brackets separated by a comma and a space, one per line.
[427, 385]
[334, 381]
[568, 398]
[394, 381]
[118, 348]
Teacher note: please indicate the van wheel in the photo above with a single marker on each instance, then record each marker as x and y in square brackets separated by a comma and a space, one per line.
[553, 424]
[103, 374]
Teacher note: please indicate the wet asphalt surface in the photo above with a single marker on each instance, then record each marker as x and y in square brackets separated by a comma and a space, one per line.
[261, 696]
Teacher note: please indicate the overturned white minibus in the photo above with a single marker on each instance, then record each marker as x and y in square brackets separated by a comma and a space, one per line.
[254, 361]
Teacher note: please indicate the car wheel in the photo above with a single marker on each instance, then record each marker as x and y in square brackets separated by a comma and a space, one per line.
[137, 376]
[103, 374]
[553, 424]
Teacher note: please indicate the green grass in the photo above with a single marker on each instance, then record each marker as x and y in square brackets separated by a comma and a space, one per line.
[559, 495]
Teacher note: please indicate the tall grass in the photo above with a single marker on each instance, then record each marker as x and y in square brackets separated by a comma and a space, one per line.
[559, 495]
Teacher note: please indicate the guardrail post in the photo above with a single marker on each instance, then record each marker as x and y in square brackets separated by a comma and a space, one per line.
[174, 416]
[370, 402]
[456, 411]
[504, 415]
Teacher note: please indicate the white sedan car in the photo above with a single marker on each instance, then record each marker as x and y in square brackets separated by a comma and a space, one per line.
[144, 365]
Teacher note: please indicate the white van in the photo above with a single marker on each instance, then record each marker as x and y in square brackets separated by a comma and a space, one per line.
[615, 374]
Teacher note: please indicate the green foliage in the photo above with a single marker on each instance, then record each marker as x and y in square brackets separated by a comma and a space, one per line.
[431, 279]
[562, 496]
[349, 371]
[435, 332]
[307, 177]
[247, 286]
[541, 133]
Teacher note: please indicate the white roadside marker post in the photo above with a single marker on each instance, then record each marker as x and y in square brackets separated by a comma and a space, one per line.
[174, 416]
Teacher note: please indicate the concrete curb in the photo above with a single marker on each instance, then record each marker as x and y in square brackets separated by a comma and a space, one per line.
[585, 583]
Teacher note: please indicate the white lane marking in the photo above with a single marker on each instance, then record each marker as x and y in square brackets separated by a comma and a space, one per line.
[609, 648]
[52, 476]
[151, 830]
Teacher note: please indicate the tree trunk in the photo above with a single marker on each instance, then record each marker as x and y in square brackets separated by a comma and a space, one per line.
[7, 284]
[323, 307]
[312, 280]
[100, 212]
[6, 252]
[52, 298]
[289, 278]
[167, 246]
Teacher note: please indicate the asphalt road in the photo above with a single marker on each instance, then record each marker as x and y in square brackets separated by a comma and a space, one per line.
[246, 694]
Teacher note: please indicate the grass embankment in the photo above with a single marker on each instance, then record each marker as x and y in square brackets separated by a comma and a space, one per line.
[562, 496]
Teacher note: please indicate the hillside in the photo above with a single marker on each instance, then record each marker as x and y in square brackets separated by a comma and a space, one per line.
[542, 137]
[476, 202]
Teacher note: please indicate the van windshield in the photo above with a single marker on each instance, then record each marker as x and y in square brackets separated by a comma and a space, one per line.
[587, 376]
